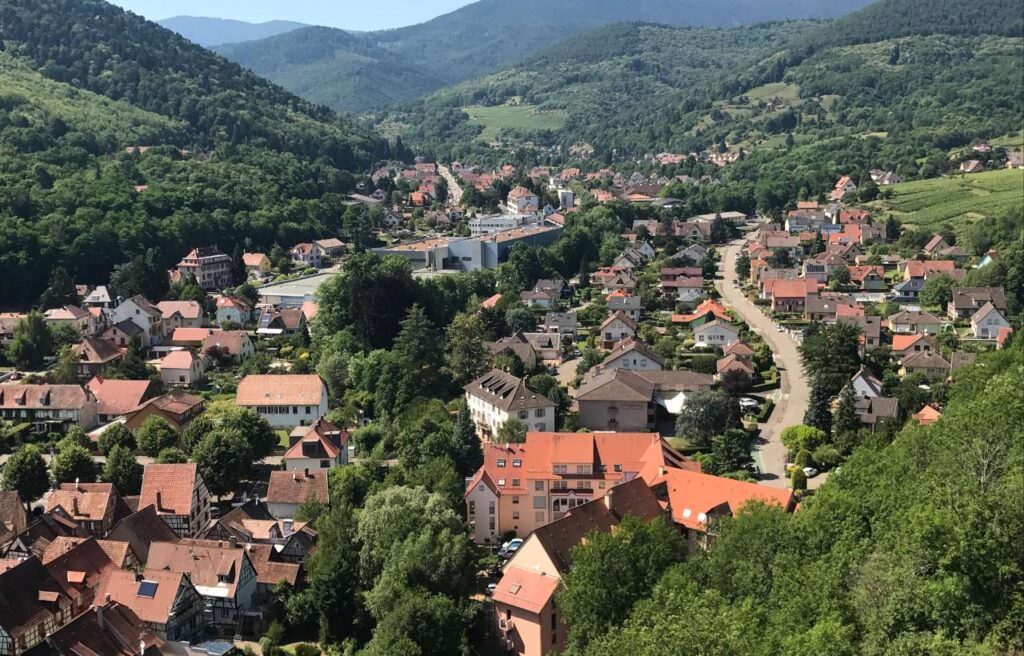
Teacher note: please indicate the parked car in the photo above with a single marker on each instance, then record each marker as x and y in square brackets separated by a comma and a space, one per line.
[810, 472]
[748, 404]
[490, 589]
[510, 548]
[779, 328]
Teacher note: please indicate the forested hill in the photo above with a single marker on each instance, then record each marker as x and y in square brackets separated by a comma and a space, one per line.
[334, 68]
[218, 31]
[928, 74]
[96, 46]
[231, 159]
[479, 38]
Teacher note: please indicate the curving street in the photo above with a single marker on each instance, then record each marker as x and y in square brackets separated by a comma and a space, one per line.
[795, 395]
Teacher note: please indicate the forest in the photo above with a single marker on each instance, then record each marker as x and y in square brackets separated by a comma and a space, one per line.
[229, 158]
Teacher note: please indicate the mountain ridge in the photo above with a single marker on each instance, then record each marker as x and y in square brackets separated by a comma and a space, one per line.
[209, 32]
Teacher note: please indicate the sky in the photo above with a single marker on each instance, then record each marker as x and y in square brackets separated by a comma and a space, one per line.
[346, 14]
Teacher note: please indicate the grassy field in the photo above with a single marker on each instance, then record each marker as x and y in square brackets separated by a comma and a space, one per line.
[927, 204]
[773, 90]
[517, 117]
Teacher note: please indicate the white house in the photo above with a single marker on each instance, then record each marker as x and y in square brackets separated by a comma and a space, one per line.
[320, 446]
[616, 328]
[685, 289]
[715, 333]
[286, 401]
[180, 314]
[987, 321]
[633, 355]
[496, 397]
[182, 368]
[232, 309]
[626, 303]
[865, 385]
[144, 315]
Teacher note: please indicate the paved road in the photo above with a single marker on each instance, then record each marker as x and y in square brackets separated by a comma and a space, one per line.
[454, 188]
[792, 403]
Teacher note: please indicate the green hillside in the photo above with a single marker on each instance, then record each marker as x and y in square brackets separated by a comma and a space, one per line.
[959, 200]
[233, 160]
[209, 32]
[395, 66]
[589, 82]
[334, 68]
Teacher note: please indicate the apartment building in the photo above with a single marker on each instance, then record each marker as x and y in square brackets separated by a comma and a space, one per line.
[496, 397]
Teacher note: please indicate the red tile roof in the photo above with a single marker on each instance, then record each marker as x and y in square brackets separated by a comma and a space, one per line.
[186, 309]
[523, 588]
[123, 588]
[296, 486]
[693, 495]
[84, 501]
[173, 484]
[118, 397]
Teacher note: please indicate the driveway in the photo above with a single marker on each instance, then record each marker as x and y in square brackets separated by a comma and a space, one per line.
[794, 396]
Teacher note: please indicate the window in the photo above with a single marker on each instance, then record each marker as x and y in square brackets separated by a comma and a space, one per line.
[561, 469]
[582, 469]
[309, 410]
[618, 468]
[472, 507]
[325, 464]
[501, 481]
[515, 501]
[515, 515]
[295, 409]
[515, 482]
[538, 516]
[517, 462]
[501, 462]
[491, 524]
[490, 507]
[538, 502]
[600, 485]
[583, 485]
[523, 414]
[539, 412]
[538, 486]
[561, 485]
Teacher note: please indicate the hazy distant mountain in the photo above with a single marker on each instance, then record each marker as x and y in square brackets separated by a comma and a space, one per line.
[216, 31]
[486, 36]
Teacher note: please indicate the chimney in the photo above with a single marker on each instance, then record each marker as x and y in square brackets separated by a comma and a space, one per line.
[305, 472]
[138, 576]
[232, 542]
[78, 487]
[661, 471]
[74, 506]
[609, 502]
[159, 502]
[106, 598]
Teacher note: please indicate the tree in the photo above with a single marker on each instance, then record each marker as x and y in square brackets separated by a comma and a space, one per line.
[469, 452]
[171, 456]
[780, 259]
[803, 438]
[892, 229]
[254, 429]
[705, 414]
[224, 460]
[524, 267]
[722, 230]
[196, 431]
[838, 277]
[735, 383]
[819, 414]
[845, 420]
[730, 452]
[512, 431]
[334, 574]
[26, 473]
[520, 319]
[155, 435]
[743, 266]
[61, 290]
[123, 471]
[116, 434]
[66, 370]
[465, 355]
[73, 463]
[132, 366]
[937, 290]
[31, 342]
[830, 355]
[311, 509]
[798, 479]
[611, 572]
[417, 354]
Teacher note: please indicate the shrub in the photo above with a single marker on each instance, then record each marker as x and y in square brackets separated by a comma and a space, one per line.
[827, 456]
[798, 479]
[306, 649]
[803, 458]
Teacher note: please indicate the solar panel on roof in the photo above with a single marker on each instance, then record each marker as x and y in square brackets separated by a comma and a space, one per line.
[147, 589]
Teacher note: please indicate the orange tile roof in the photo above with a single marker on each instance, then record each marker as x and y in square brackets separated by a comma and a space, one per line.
[490, 302]
[301, 389]
[178, 360]
[903, 342]
[927, 415]
[174, 485]
[123, 588]
[296, 486]
[797, 288]
[187, 309]
[692, 495]
[117, 397]
[206, 562]
[83, 501]
[187, 335]
[525, 589]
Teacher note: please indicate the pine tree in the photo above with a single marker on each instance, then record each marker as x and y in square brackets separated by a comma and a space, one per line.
[418, 354]
[469, 453]
[845, 419]
[465, 357]
[818, 414]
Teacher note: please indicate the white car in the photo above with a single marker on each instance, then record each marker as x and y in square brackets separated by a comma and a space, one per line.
[810, 472]
[779, 329]
[747, 403]
[510, 547]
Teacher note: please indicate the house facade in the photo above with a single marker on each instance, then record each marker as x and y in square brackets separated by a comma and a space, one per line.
[210, 267]
[496, 397]
[286, 401]
[49, 408]
[178, 494]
